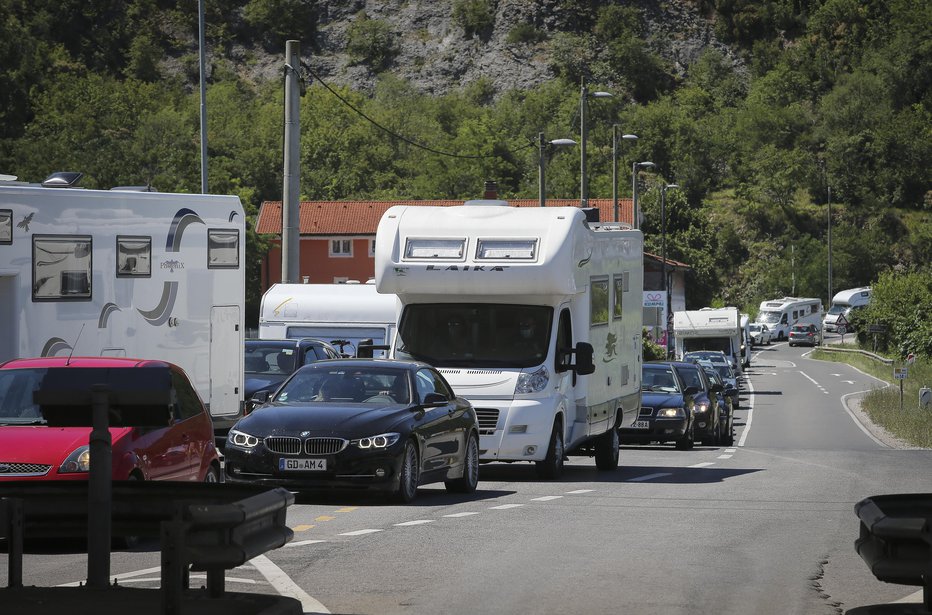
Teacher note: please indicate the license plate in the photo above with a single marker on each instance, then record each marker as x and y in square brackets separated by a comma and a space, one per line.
[302, 465]
[641, 425]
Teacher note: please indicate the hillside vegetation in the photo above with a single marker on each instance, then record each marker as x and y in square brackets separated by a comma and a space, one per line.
[763, 112]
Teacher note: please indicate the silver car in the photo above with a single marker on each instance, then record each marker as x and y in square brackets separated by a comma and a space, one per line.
[760, 334]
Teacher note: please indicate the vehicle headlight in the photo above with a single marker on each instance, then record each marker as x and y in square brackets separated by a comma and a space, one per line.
[383, 440]
[534, 382]
[700, 408]
[78, 461]
[242, 439]
[671, 413]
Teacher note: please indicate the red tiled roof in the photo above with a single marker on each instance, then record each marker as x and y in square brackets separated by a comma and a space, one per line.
[362, 217]
[670, 261]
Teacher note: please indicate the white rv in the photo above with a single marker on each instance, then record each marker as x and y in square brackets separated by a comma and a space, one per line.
[347, 313]
[781, 314]
[843, 303]
[533, 314]
[709, 329]
[127, 273]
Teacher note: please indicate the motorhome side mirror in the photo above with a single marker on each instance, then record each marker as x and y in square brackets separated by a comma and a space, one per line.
[691, 390]
[432, 400]
[584, 364]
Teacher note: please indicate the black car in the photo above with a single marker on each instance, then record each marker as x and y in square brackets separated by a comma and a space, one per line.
[374, 424]
[666, 413]
[726, 407]
[268, 363]
[708, 426]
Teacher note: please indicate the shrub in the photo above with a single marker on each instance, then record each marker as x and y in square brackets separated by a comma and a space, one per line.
[371, 41]
[474, 16]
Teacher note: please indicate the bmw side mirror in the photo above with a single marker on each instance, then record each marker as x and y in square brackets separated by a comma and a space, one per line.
[260, 397]
[717, 388]
[434, 400]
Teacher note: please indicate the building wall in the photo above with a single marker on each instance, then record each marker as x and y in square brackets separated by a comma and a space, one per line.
[318, 264]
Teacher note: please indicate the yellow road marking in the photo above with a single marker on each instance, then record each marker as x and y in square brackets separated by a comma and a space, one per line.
[302, 528]
[347, 509]
[324, 518]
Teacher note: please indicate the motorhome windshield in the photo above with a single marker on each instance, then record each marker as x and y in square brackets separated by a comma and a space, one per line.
[692, 344]
[768, 317]
[838, 308]
[475, 334]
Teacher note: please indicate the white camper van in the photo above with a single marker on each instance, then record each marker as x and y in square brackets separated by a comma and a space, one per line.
[709, 329]
[347, 313]
[126, 273]
[781, 314]
[843, 303]
[533, 314]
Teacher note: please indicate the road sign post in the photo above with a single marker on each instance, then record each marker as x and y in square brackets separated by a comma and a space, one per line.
[900, 373]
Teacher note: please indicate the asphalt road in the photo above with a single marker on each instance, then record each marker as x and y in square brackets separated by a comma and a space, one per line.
[766, 527]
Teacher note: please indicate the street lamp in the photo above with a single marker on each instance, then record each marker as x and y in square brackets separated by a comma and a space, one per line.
[542, 163]
[584, 136]
[615, 165]
[663, 261]
[634, 189]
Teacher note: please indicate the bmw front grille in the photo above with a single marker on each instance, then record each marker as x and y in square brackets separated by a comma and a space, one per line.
[324, 446]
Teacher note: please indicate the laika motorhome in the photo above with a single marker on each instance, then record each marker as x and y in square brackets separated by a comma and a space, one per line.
[709, 329]
[843, 303]
[532, 314]
[346, 313]
[781, 314]
[126, 273]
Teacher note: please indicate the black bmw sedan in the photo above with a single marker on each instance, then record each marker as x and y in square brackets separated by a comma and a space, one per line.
[373, 424]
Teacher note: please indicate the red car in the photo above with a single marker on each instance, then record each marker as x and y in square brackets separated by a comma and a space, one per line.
[31, 450]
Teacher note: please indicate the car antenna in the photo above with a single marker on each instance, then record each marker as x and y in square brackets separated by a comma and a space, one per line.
[71, 354]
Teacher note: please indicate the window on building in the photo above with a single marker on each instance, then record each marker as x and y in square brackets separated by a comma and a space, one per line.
[372, 247]
[341, 247]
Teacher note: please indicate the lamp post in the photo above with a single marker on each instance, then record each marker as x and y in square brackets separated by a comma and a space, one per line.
[542, 164]
[829, 244]
[634, 189]
[615, 165]
[584, 136]
[663, 261]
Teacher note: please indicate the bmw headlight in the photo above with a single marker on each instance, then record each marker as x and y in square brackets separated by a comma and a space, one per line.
[242, 439]
[671, 413]
[701, 407]
[534, 382]
[78, 461]
[383, 440]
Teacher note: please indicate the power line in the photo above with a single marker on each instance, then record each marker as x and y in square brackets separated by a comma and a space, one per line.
[401, 137]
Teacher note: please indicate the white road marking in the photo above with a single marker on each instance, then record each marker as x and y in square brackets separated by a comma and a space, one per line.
[417, 522]
[731, 450]
[724, 456]
[359, 532]
[702, 465]
[462, 514]
[301, 543]
[848, 381]
[638, 479]
[546, 498]
[121, 577]
[506, 506]
[916, 597]
[821, 388]
[580, 491]
[747, 424]
[286, 587]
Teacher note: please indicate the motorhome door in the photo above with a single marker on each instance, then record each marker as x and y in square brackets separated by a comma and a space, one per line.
[226, 356]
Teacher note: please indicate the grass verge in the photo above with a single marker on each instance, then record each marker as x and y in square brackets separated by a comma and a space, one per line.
[911, 424]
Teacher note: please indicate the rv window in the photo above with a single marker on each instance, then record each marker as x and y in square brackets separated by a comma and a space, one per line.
[515, 249]
[620, 284]
[598, 302]
[61, 267]
[447, 249]
[134, 257]
[222, 249]
[6, 226]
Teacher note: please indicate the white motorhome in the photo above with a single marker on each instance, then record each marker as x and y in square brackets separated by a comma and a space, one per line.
[709, 329]
[781, 314]
[347, 313]
[843, 303]
[130, 274]
[532, 314]
[745, 326]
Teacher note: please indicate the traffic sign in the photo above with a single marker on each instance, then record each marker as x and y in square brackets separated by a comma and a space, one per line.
[876, 328]
[899, 373]
[910, 359]
[842, 321]
[842, 330]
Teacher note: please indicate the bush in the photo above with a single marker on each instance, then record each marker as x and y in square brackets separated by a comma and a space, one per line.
[903, 304]
[651, 351]
[525, 34]
[474, 16]
[371, 41]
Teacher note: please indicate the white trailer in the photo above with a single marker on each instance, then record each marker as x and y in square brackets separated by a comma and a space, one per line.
[125, 273]
[346, 313]
[709, 329]
[781, 314]
[843, 303]
[532, 314]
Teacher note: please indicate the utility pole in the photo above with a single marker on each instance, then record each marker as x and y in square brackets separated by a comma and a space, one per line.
[291, 196]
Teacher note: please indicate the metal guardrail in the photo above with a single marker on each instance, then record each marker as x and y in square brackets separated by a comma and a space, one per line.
[212, 527]
[865, 353]
[896, 539]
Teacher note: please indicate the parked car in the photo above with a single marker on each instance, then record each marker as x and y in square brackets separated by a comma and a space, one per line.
[726, 408]
[730, 380]
[810, 335]
[269, 362]
[760, 334]
[708, 427]
[31, 450]
[376, 424]
[666, 413]
[715, 356]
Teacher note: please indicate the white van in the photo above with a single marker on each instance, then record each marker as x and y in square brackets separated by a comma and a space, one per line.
[709, 329]
[342, 314]
[843, 303]
[533, 314]
[781, 314]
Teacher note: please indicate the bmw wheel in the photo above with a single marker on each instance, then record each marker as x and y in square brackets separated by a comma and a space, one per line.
[467, 483]
[409, 476]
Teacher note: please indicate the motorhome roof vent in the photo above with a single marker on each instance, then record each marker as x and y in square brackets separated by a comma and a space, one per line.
[62, 179]
[486, 203]
[7, 178]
